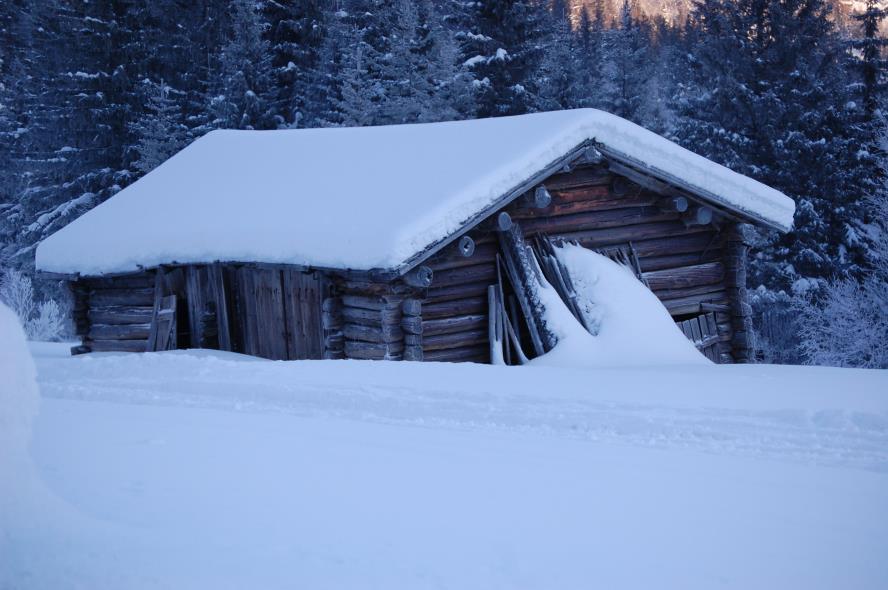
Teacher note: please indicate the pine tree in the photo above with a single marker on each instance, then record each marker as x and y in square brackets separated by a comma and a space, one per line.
[557, 76]
[295, 34]
[871, 46]
[628, 58]
[160, 132]
[501, 42]
[768, 97]
[72, 152]
[241, 95]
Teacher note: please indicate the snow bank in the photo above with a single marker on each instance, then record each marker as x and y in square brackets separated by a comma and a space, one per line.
[350, 474]
[633, 327]
[19, 397]
[357, 198]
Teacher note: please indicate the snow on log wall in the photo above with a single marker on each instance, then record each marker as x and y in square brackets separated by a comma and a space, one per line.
[690, 267]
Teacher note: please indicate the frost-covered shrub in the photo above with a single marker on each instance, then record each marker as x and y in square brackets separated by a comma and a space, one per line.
[17, 291]
[48, 324]
[848, 325]
[775, 327]
[43, 321]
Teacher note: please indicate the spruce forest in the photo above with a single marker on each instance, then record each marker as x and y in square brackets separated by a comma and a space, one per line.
[96, 93]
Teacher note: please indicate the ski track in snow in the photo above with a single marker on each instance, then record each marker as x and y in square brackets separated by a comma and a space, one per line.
[734, 415]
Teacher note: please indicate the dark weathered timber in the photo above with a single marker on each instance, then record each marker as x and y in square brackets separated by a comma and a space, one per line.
[457, 291]
[677, 204]
[451, 258]
[121, 297]
[466, 246]
[420, 277]
[331, 320]
[195, 289]
[685, 276]
[697, 242]
[120, 315]
[668, 294]
[219, 296]
[609, 218]
[485, 272]
[736, 248]
[595, 175]
[80, 349]
[382, 334]
[120, 332]
[455, 339]
[570, 206]
[526, 280]
[304, 303]
[135, 281]
[691, 304]
[630, 233]
[413, 353]
[654, 263]
[700, 215]
[375, 303]
[411, 307]
[369, 317]
[355, 349]
[475, 354]
[454, 324]
[117, 345]
[412, 324]
[470, 305]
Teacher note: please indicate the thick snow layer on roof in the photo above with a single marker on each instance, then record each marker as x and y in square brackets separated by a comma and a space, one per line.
[357, 198]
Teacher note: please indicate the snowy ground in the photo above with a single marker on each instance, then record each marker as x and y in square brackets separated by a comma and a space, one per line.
[197, 470]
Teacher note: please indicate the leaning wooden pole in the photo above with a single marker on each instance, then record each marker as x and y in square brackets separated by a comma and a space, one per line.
[527, 281]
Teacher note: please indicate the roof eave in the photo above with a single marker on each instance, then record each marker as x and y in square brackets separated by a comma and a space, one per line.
[701, 193]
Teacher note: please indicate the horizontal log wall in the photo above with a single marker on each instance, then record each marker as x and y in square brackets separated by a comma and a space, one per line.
[378, 320]
[113, 314]
[687, 266]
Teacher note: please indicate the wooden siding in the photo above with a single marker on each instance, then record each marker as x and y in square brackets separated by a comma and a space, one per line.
[691, 268]
[274, 313]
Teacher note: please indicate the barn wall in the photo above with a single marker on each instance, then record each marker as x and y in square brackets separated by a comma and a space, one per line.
[373, 320]
[685, 265]
[273, 313]
[114, 314]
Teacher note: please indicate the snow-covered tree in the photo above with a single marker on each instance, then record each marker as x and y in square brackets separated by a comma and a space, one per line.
[501, 43]
[768, 96]
[871, 47]
[160, 131]
[240, 96]
[628, 65]
[295, 33]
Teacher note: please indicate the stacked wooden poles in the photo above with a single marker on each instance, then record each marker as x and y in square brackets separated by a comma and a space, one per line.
[411, 325]
[527, 280]
[331, 320]
[736, 247]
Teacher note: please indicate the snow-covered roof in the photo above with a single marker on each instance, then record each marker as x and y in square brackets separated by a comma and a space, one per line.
[362, 198]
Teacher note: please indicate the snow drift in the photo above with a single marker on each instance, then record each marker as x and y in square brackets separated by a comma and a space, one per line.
[632, 326]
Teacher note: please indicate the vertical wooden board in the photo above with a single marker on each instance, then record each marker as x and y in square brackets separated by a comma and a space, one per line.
[217, 294]
[195, 281]
[269, 328]
[232, 281]
[293, 314]
[247, 310]
[303, 299]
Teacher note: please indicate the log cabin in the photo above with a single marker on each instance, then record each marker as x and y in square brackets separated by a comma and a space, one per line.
[386, 242]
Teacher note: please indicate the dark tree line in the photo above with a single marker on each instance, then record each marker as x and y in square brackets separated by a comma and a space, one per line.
[94, 94]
